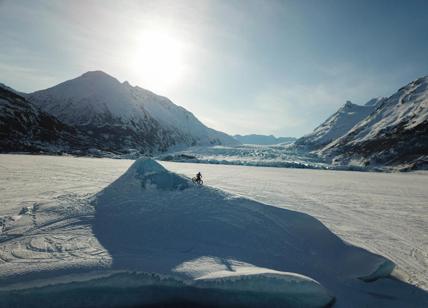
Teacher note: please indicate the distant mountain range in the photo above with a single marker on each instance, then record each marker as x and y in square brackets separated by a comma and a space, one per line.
[113, 117]
[95, 114]
[263, 139]
[389, 131]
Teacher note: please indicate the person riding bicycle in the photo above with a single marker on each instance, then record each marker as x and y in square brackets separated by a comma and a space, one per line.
[198, 177]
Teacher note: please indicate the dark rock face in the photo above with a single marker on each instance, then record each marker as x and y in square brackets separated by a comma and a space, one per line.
[24, 128]
[399, 146]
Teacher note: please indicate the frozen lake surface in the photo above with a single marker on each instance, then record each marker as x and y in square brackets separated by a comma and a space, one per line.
[384, 213]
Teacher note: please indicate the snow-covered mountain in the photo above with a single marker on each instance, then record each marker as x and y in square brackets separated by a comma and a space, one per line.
[263, 139]
[23, 127]
[123, 116]
[395, 133]
[340, 123]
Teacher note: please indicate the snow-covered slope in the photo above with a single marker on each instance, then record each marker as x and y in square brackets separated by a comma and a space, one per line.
[338, 124]
[395, 133]
[123, 116]
[56, 235]
[153, 220]
[23, 127]
[263, 139]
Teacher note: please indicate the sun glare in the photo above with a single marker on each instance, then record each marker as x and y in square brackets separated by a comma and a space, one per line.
[158, 60]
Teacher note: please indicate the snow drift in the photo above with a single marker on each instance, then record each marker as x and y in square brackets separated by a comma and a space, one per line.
[152, 220]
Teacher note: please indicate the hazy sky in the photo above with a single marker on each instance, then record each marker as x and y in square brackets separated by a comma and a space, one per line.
[268, 67]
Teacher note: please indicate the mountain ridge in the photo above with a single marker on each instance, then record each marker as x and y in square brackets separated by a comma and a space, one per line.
[98, 103]
[263, 139]
[385, 132]
[395, 133]
[338, 124]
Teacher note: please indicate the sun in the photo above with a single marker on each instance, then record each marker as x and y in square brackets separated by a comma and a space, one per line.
[159, 60]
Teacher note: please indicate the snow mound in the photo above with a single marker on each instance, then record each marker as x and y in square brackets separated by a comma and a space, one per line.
[150, 174]
[152, 220]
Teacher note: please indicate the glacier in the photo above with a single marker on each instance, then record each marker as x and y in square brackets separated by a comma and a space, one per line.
[281, 156]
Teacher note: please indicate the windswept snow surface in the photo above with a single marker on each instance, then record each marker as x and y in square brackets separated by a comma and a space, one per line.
[385, 213]
[202, 243]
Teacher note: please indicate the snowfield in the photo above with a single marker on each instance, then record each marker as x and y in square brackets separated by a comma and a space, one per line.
[98, 227]
[386, 213]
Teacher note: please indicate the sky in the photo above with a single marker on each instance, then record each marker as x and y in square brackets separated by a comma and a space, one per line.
[242, 67]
